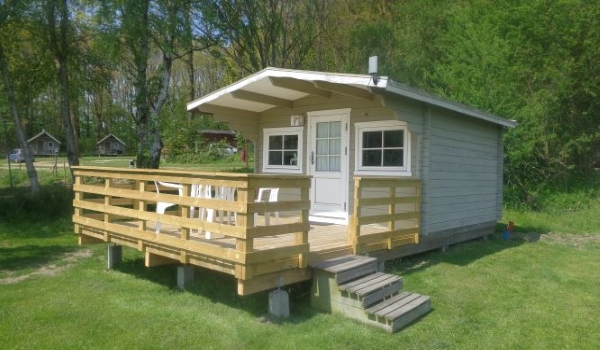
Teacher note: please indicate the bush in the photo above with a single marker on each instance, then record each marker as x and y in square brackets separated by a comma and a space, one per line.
[51, 202]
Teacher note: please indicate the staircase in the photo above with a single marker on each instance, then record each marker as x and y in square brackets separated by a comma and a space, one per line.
[351, 285]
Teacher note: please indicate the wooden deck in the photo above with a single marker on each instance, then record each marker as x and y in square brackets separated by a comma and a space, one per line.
[325, 240]
[118, 206]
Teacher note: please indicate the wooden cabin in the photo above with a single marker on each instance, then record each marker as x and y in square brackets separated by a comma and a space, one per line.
[44, 144]
[361, 165]
[110, 145]
[338, 127]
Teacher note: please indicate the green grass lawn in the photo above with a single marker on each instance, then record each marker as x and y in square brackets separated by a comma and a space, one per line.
[538, 290]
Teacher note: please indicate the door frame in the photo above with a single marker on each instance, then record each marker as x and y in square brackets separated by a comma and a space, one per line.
[344, 161]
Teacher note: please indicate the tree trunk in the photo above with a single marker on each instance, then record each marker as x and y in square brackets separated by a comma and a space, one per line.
[8, 89]
[140, 50]
[59, 46]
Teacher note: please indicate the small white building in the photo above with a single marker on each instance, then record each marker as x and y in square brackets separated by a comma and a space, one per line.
[110, 145]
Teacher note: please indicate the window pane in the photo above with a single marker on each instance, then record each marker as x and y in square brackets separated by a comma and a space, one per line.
[322, 130]
[393, 157]
[393, 138]
[290, 142]
[335, 146]
[372, 139]
[290, 158]
[335, 129]
[275, 142]
[371, 158]
[334, 163]
[321, 163]
[322, 146]
[275, 158]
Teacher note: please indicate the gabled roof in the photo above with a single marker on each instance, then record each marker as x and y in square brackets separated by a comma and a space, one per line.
[277, 87]
[44, 132]
[108, 136]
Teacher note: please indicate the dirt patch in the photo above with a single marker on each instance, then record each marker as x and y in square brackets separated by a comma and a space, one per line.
[578, 241]
[68, 261]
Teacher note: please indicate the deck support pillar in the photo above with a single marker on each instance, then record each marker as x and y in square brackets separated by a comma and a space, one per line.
[115, 256]
[185, 276]
[279, 303]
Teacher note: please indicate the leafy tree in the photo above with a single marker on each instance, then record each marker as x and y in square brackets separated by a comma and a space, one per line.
[58, 25]
[258, 34]
[9, 14]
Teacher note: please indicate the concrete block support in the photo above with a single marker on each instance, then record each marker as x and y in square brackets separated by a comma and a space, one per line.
[185, 276]
[381, 266]
[115, 256]
[279, 303]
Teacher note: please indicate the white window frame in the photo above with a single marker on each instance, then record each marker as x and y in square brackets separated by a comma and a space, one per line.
[383, 125]
[290, 169]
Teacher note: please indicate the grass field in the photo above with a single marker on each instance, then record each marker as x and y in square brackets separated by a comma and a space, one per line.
[537, 290]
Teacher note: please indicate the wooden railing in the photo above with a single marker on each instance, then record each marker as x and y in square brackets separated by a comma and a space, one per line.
[386, 213]
[117, 205]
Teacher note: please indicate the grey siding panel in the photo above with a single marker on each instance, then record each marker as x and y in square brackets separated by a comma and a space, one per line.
[500, 171]
[462, 172]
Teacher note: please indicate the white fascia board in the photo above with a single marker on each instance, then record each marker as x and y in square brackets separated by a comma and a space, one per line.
[338, 78]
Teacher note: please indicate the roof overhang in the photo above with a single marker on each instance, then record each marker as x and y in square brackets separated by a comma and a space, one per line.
[276, 87]
[44, 132]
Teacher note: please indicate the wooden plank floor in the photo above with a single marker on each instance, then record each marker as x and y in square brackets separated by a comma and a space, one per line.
[321, 236]
[326, 240]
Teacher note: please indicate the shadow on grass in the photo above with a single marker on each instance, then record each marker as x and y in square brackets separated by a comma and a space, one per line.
[222, 288]
[467, 252]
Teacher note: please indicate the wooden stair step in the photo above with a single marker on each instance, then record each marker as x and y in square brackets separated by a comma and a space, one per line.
[370, 283]
[344, 263]
[349, 267]
[400, 310]
[373, 288]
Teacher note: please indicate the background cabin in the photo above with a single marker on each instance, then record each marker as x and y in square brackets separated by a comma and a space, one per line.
[110, 145]
[215, 136]
[44, 144]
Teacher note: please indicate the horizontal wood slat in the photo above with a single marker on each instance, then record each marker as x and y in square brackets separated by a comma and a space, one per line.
[372, 196]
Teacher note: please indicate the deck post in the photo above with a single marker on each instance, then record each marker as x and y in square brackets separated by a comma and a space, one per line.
[279, 303]
[185, 276]
[115, 256]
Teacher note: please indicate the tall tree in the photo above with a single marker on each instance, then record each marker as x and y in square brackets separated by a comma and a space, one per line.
[57, 16]
[258, 34]
[8, 11]
[151, 35]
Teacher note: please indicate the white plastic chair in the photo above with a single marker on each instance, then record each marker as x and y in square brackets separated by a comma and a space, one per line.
[209, 214]
[200, 191]
[227, 194]
[273, 194]
[161, 207]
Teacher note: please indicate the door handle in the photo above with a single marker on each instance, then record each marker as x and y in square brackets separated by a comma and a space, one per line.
[312, 157]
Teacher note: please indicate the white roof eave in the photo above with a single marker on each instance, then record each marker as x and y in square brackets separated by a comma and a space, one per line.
[224, 98]
[223, 94]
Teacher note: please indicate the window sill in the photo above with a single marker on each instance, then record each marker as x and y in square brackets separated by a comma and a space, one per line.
[383, 173]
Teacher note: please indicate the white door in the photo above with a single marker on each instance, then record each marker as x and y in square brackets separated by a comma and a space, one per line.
[328, 164]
